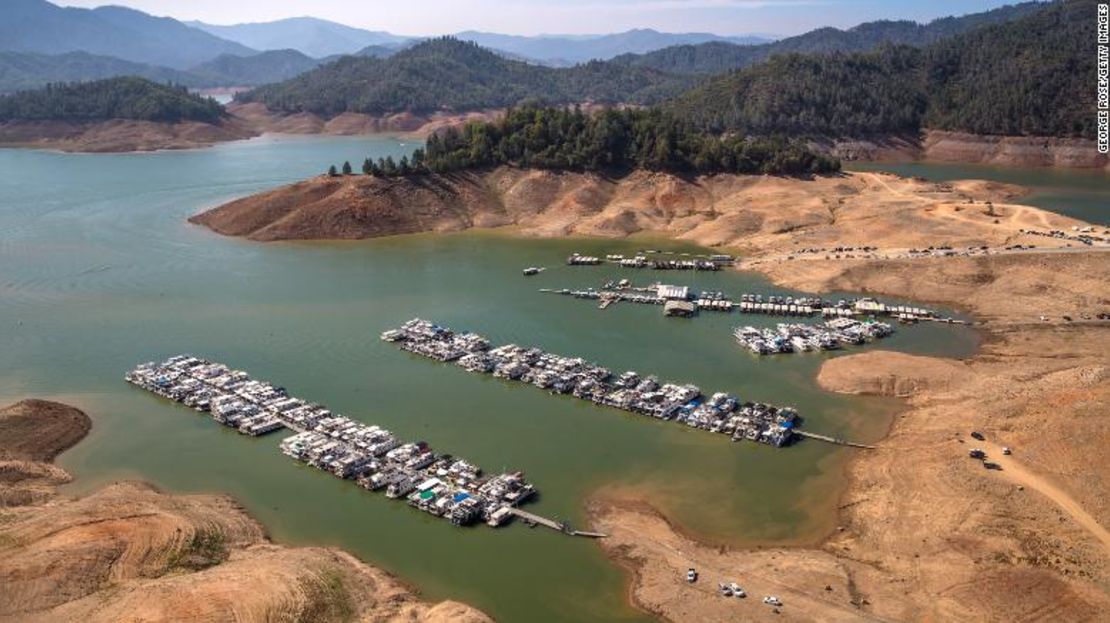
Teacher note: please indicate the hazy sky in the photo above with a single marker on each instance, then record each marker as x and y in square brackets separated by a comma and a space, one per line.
[430, 17]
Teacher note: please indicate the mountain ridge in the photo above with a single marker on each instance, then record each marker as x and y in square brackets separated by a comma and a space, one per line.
[37, 26]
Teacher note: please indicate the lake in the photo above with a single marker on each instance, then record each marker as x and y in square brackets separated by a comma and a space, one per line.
[99, 271]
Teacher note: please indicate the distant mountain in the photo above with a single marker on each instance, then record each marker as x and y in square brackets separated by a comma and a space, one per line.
[114, 98]
[40, 27]
[1030, 76]
[315, 37]
[571, 49]
[379, 51]
[262, 68]
[715, 56]
[22, 70]
[448, 74]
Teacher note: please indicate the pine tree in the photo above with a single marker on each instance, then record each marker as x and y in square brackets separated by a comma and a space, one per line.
[346, 168]
[332, 172]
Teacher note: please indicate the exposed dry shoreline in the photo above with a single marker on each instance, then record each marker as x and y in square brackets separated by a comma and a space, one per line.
[243, 121]
[119, 135]
[961, 147]
[926, 533]
[755, 214]
[128, 552]
[254, 119]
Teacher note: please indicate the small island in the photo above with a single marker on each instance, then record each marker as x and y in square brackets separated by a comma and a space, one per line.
[112, 115]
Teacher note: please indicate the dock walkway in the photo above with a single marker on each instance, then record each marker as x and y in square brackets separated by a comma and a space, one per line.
[554, 525]
[836, 440]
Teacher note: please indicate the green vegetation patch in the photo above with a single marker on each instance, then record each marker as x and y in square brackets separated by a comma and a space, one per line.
[206, 548]
[114, 98]
[609, 141]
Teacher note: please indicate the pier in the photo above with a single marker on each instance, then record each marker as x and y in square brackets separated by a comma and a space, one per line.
[443, 485]
[834, 440]
[689, 261]
[684, 404]
[560, 526]
[747, 303]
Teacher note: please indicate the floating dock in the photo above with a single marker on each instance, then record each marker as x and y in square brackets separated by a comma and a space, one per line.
[688, 261]
[801, 337]
[560, 526]
[779, 305]
[442, 485]
[681, 403]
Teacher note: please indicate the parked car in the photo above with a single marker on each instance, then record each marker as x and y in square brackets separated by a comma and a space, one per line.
[976, 434]
[691, 575]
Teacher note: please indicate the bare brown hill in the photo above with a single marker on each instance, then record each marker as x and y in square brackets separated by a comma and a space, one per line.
[741, 211]
[128, 552]
[928, 534]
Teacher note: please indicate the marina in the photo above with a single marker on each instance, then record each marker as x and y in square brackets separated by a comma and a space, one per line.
[799, 337]
[711, 263]
[440, 484]
[681, 403]
[780, 305]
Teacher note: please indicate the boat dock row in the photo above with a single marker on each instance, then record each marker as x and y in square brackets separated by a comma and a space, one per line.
[681, 403]
[710, 263]
[781, 305]
[799, 337]
[442, 485]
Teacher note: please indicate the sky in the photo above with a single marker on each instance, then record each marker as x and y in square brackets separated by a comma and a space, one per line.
[530, 17]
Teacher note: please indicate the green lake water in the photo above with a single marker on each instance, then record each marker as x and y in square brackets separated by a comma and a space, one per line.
[100, 271]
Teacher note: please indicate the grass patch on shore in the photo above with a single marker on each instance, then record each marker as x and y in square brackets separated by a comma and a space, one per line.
[206, 548]
[328, 599]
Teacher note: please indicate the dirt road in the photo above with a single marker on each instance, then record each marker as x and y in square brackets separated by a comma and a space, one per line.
[1013, 470]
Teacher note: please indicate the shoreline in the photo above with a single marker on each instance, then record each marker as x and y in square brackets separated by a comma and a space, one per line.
[317, 582]
[250, 120]
[995, 336]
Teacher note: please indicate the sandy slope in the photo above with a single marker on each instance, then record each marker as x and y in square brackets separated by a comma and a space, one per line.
[927, 533]
[753, 213]
[128, 552]
[120, 135]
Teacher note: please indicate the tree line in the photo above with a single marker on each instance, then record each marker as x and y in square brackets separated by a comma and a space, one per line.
[114, 98]
[612, 140]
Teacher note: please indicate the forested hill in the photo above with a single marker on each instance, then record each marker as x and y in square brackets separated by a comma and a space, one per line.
[448, 74]
[1031, 76]
[114, 98]
[615, 141]
[716, 57]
